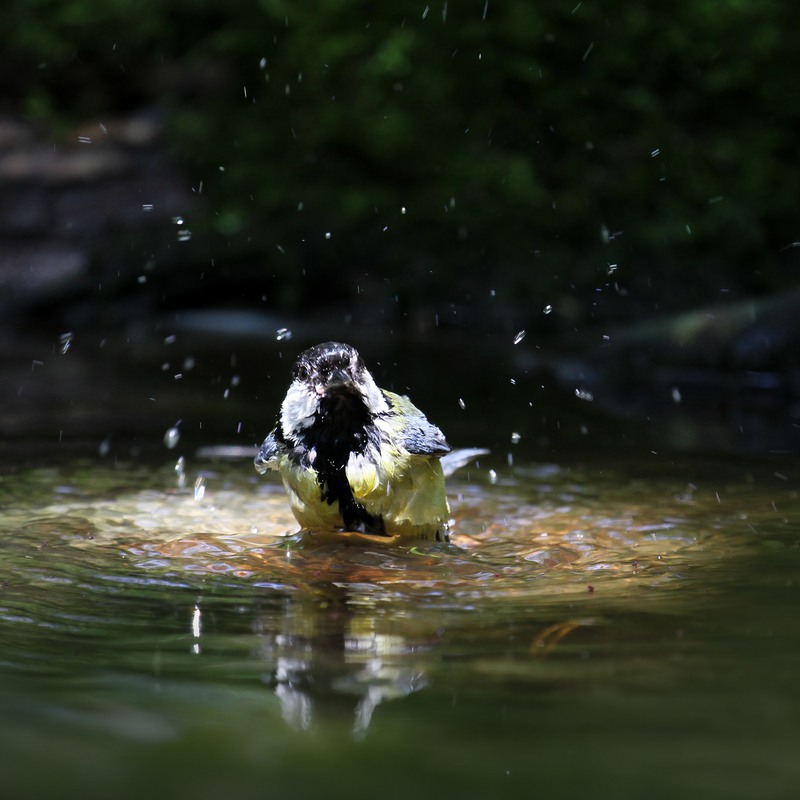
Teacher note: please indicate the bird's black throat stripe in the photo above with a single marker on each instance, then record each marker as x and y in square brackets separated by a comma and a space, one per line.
[342, 426]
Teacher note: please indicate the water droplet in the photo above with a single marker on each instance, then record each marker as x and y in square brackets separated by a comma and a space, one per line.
[180, 472]
[199, 488]
[171, 438]
[519, 337]
[283, 334]
[492, 476]
[547, 309]
[64, 342]
[402, 209]
[584, 394]
[147, 206]
[461, 404]
[327, 234]
[105, 447]
[235, 380]
[515, 438]
[676, 394]
[184, 234]
[177, 220]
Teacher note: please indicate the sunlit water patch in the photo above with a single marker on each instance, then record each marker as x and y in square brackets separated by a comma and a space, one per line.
[537, 532]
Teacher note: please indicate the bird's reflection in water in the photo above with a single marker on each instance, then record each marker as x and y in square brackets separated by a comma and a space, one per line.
[351, 621]
[332, 663]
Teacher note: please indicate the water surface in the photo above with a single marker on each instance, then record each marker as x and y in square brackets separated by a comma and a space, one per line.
[611, 626]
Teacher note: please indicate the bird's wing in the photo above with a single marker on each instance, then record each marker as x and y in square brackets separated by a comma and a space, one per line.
[418, 436]
[266, 458]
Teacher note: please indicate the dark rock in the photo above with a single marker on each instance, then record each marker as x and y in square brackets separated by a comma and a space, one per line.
[80, 214]
[40, 271]
[25, 211]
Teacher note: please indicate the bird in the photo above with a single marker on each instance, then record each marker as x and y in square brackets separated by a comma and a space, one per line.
[355, 457]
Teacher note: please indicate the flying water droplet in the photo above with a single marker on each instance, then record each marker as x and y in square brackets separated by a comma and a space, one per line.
[64, 342]
[515, 438]
[519, 337]
[199, 488]
[180, 472]
[547, 309]
[171, 438]
[584, 394]
[283, 334]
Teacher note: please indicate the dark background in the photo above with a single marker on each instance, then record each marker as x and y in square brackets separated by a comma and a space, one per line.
[426, 180]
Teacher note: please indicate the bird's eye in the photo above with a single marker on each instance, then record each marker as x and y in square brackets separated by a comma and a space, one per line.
[302, 372]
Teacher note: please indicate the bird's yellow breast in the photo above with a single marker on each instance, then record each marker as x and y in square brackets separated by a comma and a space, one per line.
[406, 491]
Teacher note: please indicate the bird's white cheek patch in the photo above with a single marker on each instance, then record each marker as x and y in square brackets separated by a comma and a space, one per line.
[373, 397]
[298, 409]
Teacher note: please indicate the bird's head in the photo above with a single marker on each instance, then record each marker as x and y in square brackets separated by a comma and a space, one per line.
[329, 379]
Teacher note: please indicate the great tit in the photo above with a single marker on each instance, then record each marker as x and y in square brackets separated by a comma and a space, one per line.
[354, 457]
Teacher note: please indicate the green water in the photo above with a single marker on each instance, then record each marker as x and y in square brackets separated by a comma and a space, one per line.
[601, 628]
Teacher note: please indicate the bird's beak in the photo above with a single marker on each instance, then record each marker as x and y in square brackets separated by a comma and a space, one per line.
[338, 379]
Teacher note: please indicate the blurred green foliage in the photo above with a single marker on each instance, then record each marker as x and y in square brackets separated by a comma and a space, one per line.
[628, 156]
